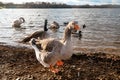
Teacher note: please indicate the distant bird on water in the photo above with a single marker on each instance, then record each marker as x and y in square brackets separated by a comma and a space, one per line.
[84, 26]
[65, 23]
[17, 23]
[38, 34]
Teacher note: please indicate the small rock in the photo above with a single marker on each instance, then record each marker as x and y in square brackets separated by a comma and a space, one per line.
[78, 69]
[17, 78]
[73, 66]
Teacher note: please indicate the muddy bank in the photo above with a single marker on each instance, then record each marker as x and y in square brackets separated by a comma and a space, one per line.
[21, 64]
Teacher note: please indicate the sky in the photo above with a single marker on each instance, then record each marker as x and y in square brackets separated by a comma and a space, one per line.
[71, 2]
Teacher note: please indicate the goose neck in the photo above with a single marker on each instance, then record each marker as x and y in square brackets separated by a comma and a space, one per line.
[45, 26]
[67, 34]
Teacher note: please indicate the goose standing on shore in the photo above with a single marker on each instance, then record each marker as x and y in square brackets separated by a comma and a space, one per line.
[17, 23]
[53, 51]
[38, 34]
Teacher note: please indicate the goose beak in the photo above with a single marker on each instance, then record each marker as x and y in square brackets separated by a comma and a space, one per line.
[76, 27]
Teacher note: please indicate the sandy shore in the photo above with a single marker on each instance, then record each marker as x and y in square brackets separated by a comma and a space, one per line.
[21, 64]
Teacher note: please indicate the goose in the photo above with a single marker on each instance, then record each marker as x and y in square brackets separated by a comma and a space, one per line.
[41, 34]
[17, 23]
[54, 25]
[53, 51]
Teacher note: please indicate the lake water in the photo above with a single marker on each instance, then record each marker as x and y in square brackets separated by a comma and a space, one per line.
[102, 31]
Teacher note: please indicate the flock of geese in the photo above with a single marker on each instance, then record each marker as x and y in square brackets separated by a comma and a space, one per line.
[51, 51]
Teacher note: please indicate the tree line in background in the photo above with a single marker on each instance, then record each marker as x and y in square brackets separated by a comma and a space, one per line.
[53, 5]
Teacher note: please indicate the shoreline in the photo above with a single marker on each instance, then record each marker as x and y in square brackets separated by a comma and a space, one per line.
[21, 64]
[81, 49]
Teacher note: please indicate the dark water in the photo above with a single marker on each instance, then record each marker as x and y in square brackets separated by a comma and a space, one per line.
[102, 31]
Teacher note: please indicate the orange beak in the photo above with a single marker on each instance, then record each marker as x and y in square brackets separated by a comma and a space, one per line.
[76, 27]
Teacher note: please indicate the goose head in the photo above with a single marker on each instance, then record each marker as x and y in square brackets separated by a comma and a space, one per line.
[72, 22]
[71, 26]
[21, 19]
[33, 41]
[35, 44]
[54, 25]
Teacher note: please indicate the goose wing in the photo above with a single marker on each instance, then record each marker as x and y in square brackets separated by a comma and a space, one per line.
[51, 52]
[49, 44]
[37, 34]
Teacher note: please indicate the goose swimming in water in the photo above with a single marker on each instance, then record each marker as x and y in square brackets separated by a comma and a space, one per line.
[54, 25]
[17, 23]
[38, 34]
[53, 50]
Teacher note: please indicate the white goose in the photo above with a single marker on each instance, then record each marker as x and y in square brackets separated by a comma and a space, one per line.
[53, 51]
[17, 23]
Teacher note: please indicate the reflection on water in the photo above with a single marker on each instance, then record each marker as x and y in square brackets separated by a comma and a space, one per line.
[103, 25]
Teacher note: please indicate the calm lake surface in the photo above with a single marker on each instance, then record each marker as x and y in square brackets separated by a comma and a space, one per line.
[102, 31]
